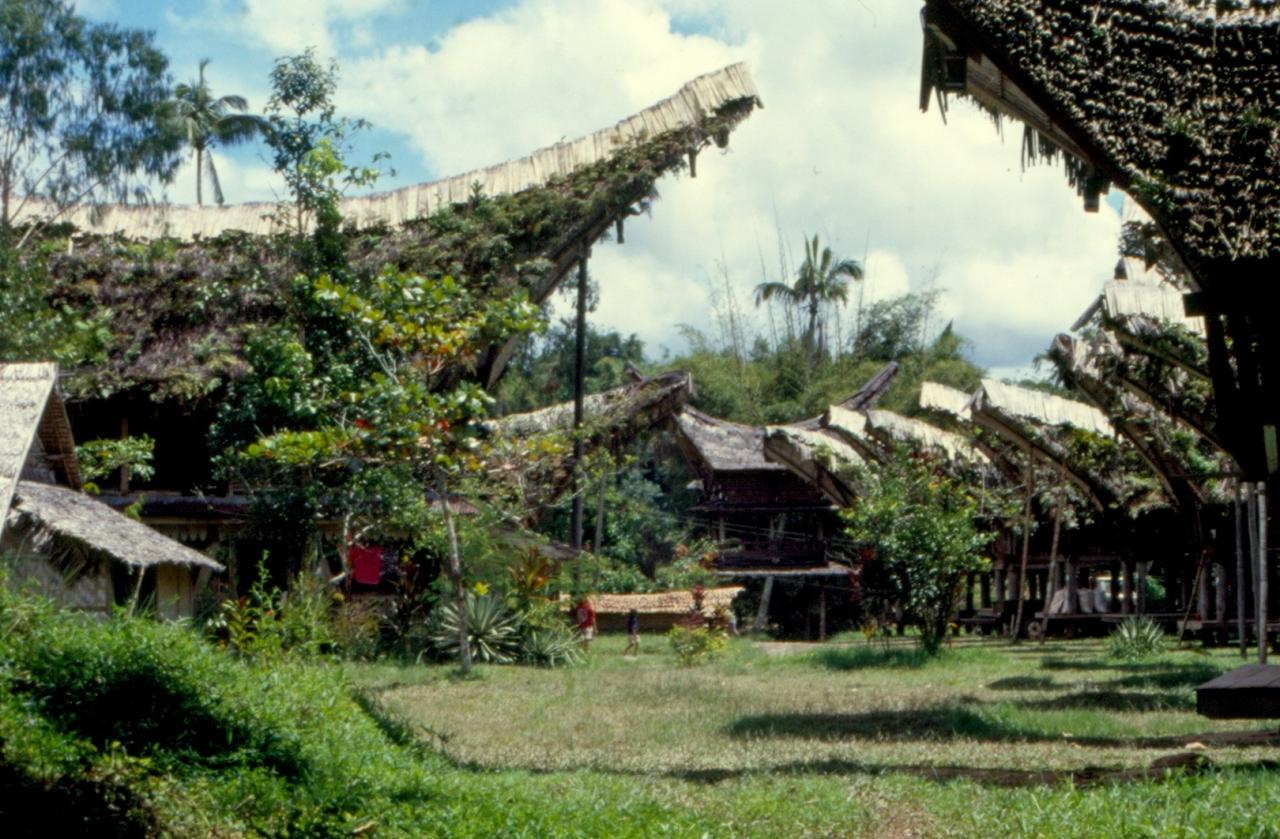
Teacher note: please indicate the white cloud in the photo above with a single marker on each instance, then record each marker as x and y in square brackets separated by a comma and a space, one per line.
[840, 149]
[289, 26]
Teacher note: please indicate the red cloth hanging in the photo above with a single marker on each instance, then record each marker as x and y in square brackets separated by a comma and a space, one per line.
[366, 564]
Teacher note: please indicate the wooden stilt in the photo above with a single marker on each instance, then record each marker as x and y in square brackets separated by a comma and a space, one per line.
[1016, 629]
[1073, 596]
[822, 611]
[762, 613]
[1142, 588]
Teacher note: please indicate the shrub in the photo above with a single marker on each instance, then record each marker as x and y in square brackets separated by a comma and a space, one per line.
[551, 646]
[696, 645]
[1136, 638]
[493, 630]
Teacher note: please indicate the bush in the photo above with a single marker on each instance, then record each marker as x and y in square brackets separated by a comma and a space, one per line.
[696, 645]
[551, 646]
[1136, 638]
[492, 629]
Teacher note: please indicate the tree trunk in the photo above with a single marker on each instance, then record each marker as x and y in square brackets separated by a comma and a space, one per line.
[455, 576]
[199, 175]
[1026, 547]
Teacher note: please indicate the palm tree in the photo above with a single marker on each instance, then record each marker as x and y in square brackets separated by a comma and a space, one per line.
[821, 279]
[204, 122]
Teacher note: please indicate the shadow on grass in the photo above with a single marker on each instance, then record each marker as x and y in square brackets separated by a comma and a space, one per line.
[1113, 700]
[1023, 683]
[942, 723]
[856, 658]
[1176, 765]
[1189, 676]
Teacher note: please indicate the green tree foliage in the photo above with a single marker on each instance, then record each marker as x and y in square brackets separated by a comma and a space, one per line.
[205, 121]
[919, 524]
[310, 143]
[80, 107]
[99, 458]
[821, 280]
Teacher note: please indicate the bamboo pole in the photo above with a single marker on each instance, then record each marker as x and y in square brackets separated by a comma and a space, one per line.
[1251, 522]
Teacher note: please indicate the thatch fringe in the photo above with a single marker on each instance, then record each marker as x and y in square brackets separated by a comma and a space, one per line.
[1156, 301]
[695, 102]
[47, 514]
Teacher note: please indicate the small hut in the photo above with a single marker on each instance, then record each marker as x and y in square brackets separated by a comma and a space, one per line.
[658, 611]
[70, 545]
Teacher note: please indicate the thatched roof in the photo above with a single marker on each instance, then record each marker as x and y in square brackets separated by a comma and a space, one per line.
[662, 602]
[695, 102]
[1172, 101]
[721, 445]
[1040, 407]
[35, 434]
[42, 512]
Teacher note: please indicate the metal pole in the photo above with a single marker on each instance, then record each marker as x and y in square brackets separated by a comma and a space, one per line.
[1262, 572]
[579, 364]
[1242, 626]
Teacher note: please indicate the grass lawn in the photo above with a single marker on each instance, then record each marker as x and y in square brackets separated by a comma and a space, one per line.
[1036, 740]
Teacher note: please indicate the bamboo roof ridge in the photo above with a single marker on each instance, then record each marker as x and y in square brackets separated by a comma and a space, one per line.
[1040, 407]
[818, 456]
[1160, 302]
[945, 399]
[695, 102]
[898, 427]
[642, 403]
[43, 513]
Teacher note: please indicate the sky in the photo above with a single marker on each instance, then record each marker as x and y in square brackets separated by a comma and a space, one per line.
[840, 149]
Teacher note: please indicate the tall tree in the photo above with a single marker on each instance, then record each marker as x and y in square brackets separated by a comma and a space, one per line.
[204, 121]
[822, 279]
[80, 108]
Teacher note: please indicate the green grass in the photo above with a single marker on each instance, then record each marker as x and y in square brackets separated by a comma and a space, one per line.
[129, 728]
[862, 739]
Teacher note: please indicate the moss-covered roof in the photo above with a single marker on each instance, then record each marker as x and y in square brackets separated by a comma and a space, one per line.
[1177, 102]
[171, 316]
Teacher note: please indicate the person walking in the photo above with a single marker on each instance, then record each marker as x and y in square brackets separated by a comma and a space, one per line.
[633, 634]
[586, 615]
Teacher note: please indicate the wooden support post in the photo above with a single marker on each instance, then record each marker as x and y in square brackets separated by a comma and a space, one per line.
[1142, 588]
[822, 611]
[970, 581]
[1220, 595]
[1261, 495]
[984, 584]
[1000, 592]
[579, 365]
[1073, 596]
[762, 613]
[1130, 588]
[1053, 563]
[1016, 629]
[1113, 602]
[1242, 627]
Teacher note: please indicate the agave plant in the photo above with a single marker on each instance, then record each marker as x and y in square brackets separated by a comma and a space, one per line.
[492, 629]
[1136, 638]
[552, 646]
